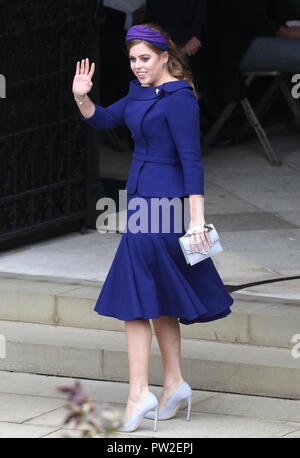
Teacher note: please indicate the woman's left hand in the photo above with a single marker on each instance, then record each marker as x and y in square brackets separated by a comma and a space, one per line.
[198, 238]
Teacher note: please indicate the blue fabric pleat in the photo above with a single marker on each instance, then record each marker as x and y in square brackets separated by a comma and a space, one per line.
[149, 277]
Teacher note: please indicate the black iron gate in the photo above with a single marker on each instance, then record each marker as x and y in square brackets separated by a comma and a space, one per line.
[45, 148]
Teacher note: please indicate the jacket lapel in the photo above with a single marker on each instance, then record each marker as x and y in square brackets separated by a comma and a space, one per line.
[142, 99]
[149, 95]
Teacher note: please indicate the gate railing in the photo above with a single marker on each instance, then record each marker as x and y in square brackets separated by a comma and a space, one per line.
[44, 146]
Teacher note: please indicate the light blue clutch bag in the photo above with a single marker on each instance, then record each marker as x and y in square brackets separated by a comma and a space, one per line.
[192, 258]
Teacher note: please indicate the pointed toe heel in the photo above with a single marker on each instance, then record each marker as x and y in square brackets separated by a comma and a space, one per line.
[183, 393]
[189, 408]
[150, 403]
[155, 418]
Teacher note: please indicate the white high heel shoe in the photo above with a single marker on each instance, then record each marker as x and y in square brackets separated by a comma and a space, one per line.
[150, 403]
[183, 393]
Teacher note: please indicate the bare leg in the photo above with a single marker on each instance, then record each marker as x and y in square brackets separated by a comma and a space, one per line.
[138, 338]
[167, 332]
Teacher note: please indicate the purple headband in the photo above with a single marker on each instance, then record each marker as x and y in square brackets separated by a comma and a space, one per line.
[145, 33]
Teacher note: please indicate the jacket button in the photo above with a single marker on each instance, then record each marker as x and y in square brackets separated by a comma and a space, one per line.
[157, 91]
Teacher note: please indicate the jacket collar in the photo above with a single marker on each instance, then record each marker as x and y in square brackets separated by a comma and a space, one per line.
[139, 92]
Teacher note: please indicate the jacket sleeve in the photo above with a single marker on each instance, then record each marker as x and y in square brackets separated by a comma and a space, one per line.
[108, 117]
[184, 122]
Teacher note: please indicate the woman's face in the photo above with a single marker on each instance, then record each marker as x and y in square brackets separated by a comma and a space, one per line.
[147, 66]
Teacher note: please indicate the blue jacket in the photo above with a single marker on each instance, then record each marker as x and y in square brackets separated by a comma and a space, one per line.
[164, 124]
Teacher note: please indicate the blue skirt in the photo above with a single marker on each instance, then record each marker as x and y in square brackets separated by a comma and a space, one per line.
[149, 276]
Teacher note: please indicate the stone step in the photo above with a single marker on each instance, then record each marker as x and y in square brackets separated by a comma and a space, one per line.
[102, 355]
[255, 319]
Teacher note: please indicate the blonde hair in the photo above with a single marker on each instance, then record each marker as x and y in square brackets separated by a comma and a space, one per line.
[177, 64]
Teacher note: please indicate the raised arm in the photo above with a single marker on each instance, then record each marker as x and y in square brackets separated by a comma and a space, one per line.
[98, 117]
[82, 85]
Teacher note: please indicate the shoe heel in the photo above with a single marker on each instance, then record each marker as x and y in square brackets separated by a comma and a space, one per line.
[189, 408]
[155, 419]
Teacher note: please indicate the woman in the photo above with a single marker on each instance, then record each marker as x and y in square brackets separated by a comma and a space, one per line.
[149, 277]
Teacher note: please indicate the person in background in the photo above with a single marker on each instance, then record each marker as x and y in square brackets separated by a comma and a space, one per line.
[117, 17]
[280, 51]
[244, 36]
[184, 25]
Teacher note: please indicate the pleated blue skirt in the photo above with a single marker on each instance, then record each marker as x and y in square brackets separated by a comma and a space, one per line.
[149, 276]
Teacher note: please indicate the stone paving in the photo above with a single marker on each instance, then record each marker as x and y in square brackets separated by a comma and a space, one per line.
[31, 406]
[256, 209]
